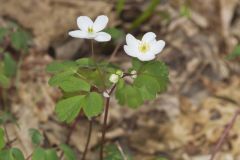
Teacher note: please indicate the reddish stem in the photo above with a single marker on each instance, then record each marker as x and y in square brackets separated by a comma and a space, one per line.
[88, 139]
[105, 122]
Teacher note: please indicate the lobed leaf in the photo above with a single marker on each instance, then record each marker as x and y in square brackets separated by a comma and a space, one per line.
[19, 40]
[36, 136]
[67, 110]
[93, 104]
[69, 154]
[57, 66]
[10, 65]
[152, 78]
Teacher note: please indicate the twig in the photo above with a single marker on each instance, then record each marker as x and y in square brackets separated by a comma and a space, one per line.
[121, 151]
[224, 134]
[88, 139]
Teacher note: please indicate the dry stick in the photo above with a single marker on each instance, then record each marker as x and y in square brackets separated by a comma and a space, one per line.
[88, 139]
[105, 122]
[224, 134]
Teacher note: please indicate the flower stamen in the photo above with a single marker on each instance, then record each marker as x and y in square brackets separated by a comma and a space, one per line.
[144, 47]
[90, 30]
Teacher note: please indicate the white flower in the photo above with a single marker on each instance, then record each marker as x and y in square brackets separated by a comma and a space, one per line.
[134, 74]
[90, 29]
[146, 49]
[120, 73]
[114, 78]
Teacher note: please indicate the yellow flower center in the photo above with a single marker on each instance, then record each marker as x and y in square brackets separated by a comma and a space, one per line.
[90, 29]
[144, 47]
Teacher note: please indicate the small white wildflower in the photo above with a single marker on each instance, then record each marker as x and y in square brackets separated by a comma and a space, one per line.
[114, 78]
[134, 74]
[144, 50]
[120, 73]
[91, 30]
[105, 94]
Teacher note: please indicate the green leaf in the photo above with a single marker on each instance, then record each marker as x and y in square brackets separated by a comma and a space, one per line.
[4, 154]
[2, 141]
[113, 153]
[73, 84]
[158, 70]
[69, 154]
[16, 154]
[20, 40]
[136, 64]
[85, 62]
[10, 65]
[38, 154]
[93, 104]
[146, 14]
[120, 6]
[152, 78]
[3, 33]
[4, 81]
[129, 95]
[57, 66]
[50, 154]
[115, 33]
[235, 53]
[57, 79]
[68, 109]
[36, 136]
[7, 117]
[152, 85]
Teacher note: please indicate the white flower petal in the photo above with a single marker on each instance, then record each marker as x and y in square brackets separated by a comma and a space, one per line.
[102, 37]
[131, 40]
[146, 57]
[78, 34]
[157, 46]
[148, 37]
[100, 23]
[131, 51]
[84, 22]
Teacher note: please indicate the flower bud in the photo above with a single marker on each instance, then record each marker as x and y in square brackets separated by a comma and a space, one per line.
[120, 73]
[114, 78]
[134, 74]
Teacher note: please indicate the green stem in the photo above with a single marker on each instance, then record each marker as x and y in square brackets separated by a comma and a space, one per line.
[98, 69]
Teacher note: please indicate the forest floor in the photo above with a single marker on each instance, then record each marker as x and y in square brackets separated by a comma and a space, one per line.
[183, 123]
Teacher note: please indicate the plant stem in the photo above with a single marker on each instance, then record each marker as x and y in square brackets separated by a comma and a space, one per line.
[105, 122]
[224, 134]
[88, 139]
[97, 67]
